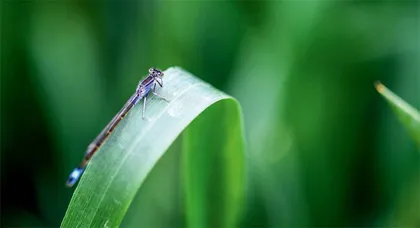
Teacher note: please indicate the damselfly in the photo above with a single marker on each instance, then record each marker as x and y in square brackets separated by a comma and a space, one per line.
[144, 87]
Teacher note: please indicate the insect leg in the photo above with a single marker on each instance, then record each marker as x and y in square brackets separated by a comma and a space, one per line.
[160, 83]
[155, 93]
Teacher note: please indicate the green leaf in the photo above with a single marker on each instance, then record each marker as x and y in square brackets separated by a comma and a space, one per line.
[211, 164]
[408, 115]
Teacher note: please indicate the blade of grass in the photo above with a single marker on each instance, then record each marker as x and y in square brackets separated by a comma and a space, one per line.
[408, 115]
[126, 159]
[212, 163]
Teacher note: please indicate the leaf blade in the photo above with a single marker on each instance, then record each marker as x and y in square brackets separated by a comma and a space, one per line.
[408, 115]
[116, 173]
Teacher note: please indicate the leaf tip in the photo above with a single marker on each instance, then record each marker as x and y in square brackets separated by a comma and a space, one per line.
[379, 86]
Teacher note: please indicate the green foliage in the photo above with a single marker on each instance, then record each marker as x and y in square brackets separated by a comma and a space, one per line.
[212, 159]
[406, 207]
[408, 115]
[322, 148]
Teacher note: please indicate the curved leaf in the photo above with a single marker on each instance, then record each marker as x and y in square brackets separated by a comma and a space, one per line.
[211, 166]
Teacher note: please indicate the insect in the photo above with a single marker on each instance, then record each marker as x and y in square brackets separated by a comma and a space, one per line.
[144, 87]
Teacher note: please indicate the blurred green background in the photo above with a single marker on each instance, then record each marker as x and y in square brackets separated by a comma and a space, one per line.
[323, 148]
